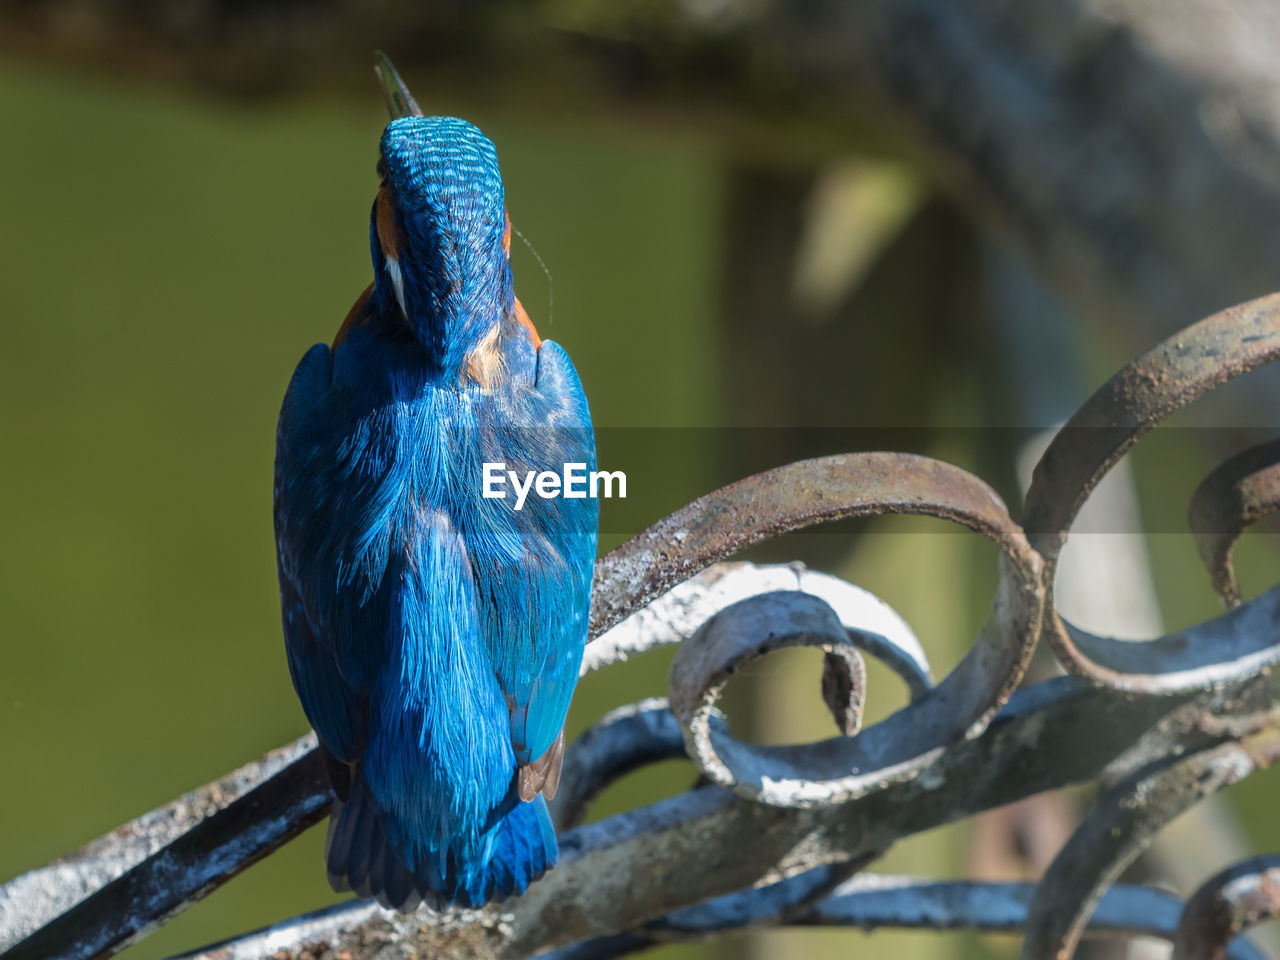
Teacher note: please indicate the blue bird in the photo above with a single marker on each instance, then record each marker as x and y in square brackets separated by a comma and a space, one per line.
[434, 635]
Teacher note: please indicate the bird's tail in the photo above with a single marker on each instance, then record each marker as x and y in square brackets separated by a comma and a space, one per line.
[360, 858]
[525, 849]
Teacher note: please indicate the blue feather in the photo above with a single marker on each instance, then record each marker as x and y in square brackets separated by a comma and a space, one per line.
[434, 636]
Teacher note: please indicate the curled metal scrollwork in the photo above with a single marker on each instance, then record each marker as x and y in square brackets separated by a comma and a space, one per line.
[1198, 713]
[802, 494]
[1120, 826]
[677, 615]
[755, 597]
[1108, 425]
[1240, 492]
[726, 643]
[903, 745]
[1225, 906]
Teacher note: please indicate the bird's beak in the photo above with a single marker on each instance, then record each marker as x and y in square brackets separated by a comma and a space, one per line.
[400, 102]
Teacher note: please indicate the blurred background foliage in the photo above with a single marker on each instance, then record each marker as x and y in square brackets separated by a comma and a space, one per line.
[168, 254]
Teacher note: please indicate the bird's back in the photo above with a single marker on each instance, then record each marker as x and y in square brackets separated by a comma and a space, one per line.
[452, 623]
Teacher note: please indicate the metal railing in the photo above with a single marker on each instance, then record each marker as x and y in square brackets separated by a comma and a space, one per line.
[779, 835]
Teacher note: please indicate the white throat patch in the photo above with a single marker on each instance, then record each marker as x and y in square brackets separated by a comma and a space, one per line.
[397, 282]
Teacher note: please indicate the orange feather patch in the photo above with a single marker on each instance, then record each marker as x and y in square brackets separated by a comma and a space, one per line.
[484, 363]
[355, 316]
[522, 318]
[388, 235]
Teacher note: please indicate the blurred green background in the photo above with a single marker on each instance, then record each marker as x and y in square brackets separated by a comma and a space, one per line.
[168, 257]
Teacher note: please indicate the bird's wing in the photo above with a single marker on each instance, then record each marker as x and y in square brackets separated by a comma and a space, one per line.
[537, 650]
[332, 706]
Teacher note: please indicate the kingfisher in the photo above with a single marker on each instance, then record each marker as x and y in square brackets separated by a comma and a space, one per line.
[434, 634]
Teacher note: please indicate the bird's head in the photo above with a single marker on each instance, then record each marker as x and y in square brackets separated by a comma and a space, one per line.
[439, 232]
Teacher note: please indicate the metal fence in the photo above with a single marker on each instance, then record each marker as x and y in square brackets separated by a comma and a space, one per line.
[779, 835]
